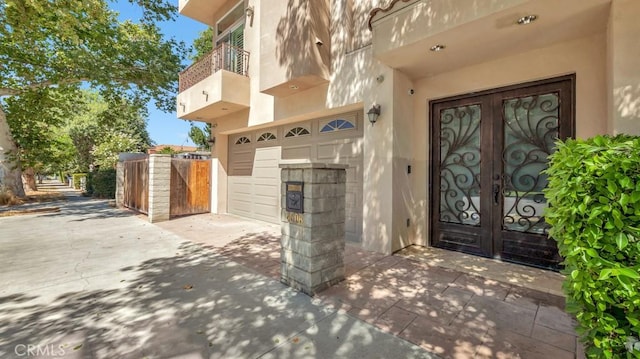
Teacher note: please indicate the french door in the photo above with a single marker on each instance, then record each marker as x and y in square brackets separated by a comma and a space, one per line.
[488, 154]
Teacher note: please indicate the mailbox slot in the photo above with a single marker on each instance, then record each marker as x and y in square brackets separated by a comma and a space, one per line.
[295, 197]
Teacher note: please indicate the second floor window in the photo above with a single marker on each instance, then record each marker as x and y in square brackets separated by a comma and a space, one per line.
[230, 28]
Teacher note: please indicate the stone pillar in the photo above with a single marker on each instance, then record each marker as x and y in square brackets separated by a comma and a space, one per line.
[120, 184]
[159, 187]
[312, 244]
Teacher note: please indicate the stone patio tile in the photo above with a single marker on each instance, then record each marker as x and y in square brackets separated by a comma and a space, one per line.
[555, 318]
[366, 314]
[388, 261]
[354, 266]
[447, 341]
[499, 315]
[481, 286]
[432, 277]
[363, 257]
[507, 345]
[439, 307]
[375, 276]
[332, 302]
[394, 320]
[524, 296]
[554, 337]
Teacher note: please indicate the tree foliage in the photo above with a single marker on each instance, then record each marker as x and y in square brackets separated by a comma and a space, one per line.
[35, 118]
[200, 136]
[50, 46]
[106, 127]
[202, 45]
[166, 150]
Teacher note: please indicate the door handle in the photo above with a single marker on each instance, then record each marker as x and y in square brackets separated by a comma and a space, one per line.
[496, 194]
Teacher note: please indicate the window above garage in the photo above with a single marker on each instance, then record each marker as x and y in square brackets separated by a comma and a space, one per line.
[267, 136]
[297, 132]
[242, 140]
[337, 125]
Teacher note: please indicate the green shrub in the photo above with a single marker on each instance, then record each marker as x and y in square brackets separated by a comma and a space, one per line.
[77, 177]
[102, 183]
[594, 212]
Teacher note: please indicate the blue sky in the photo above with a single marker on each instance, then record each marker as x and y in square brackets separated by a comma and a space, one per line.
[165, 128]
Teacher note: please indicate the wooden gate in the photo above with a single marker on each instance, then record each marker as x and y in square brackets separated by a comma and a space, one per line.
[136, 185]
[190, 187]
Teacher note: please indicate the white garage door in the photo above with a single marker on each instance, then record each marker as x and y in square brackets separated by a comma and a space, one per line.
[254, 175]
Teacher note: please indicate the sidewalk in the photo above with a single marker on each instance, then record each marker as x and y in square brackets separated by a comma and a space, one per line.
[92, 281]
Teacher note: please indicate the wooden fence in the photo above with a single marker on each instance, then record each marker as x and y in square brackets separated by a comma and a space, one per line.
[136, 185]
[190, 187]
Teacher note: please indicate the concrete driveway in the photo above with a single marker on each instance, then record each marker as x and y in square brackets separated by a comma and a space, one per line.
[91, 281]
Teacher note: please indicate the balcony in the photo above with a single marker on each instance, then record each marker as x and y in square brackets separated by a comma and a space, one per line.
[216, 85]
[200, 10]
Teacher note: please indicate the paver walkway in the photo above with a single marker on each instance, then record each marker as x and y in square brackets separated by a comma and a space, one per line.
[449, 312]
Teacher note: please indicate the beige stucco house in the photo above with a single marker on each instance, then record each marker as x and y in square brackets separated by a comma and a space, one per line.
[472, 95]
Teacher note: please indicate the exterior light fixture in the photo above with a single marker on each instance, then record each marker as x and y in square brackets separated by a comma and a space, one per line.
[184, 105]
[437, 47]
[249, 11]
[525, 20]
[373, 114]
[294, 87]
[206, 94]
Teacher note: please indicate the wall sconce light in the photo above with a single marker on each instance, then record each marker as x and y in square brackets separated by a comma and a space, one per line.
[249, 11]
[373, 114]
[206, 94]
[184, 105]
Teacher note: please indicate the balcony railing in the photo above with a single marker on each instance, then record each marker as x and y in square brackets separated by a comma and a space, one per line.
[223, 57]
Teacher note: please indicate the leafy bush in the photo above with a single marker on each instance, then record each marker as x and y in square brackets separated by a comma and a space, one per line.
[594, 212]
[77, 177]
[102, 183]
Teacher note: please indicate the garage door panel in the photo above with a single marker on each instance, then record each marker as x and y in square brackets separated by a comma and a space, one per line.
[258, 194]
[262, 186]
[266, 210]
[241, 188]
[265, 200]
[296, 152]
[266, 173]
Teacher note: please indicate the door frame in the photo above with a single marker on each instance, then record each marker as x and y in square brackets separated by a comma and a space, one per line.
[496, 249]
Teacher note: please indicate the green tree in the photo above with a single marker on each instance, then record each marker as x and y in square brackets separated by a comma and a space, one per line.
[59, 44]
[167, 151]
[105, 127]
[105, 153]
[202, 45]
[38, 142]
[200, 136]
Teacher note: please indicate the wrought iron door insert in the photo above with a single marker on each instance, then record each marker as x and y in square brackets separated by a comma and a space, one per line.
[488, 151]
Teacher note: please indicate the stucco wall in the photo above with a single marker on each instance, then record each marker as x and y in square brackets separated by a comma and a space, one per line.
[403, 127]
[624, 66]
[586, 57]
